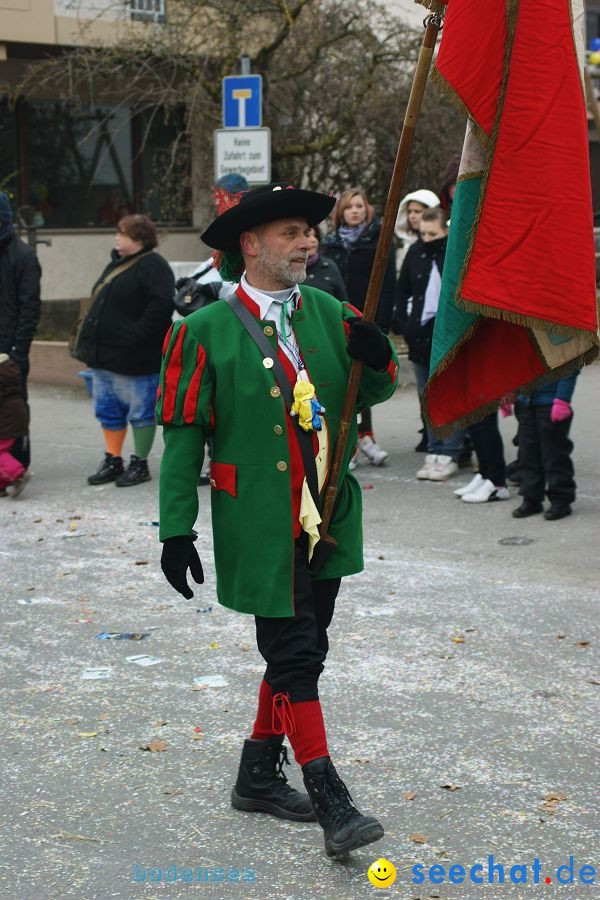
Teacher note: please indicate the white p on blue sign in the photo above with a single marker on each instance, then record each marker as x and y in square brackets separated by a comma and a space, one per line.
[242, 101]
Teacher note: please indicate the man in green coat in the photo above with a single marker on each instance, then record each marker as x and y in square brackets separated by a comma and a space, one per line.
[222, 383]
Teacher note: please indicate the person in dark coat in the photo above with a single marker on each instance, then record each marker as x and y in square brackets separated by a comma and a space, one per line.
[14, 424]
[352, 248]
[20, 303]
[121, 341]
[322, 273]
[545, 448]
[419, 287]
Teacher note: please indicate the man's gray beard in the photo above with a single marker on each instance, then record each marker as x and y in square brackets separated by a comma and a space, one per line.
[282, 270]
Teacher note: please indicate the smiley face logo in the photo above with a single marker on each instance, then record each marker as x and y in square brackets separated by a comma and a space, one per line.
[381, 873]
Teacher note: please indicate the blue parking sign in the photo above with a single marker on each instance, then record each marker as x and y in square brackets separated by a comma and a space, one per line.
[242, 101]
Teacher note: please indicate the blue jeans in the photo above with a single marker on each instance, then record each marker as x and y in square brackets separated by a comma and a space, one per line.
[119, 399]
[452, 445]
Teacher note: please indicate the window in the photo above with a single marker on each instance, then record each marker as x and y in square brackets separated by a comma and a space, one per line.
[164, 167]
[87, 166]
[78, 164]
[148, 10]
[8, 151]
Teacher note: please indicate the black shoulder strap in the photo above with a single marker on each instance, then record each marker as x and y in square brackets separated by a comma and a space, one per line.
[252, 326]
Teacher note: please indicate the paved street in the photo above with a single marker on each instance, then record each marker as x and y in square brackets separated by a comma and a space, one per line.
[462, 691]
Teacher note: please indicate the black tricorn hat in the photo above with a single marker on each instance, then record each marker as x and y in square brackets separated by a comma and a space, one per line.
[266, 204]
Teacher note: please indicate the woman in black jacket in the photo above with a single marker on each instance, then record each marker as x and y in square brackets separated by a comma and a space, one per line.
[352, 248]
[121, 341]
[323, 273]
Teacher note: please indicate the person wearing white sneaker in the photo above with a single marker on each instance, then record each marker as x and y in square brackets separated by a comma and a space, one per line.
[470, 487]
[372, 450]
[486, 492]
[489, 448]
[427, 469]
[444, 467]
[419, 287]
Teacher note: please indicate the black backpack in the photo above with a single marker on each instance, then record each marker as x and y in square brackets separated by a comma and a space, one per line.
[190, 296]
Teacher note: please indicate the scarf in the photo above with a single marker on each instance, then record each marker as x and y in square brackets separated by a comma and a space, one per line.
[350, 235]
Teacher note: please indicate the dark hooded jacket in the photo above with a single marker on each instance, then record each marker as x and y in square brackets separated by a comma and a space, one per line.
[355, 263]
[14, 416]
[412, 285]
[125, 327]
[20, 303]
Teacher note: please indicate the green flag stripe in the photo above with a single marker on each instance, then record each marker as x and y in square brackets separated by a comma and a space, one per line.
[451, 322]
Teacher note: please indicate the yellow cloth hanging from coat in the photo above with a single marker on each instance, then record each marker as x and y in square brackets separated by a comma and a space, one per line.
[310, 517]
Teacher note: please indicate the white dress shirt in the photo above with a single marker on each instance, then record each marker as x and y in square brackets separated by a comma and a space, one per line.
[269, 304]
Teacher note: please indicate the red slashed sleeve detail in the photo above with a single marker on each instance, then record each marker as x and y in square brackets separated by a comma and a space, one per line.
[392, 369]
[172, 376]
[167, 341]
[191, 398]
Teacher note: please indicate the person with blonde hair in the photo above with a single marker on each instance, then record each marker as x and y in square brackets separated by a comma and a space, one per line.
[352, 247]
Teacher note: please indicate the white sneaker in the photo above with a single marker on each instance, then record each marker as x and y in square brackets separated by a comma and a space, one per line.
[430, 461]
[470, 487]
[444, 468]
[372, 450]
[487, 492]
[354, 461]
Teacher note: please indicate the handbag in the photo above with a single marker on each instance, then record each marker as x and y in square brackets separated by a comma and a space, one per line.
[191, 295]
[86, 305]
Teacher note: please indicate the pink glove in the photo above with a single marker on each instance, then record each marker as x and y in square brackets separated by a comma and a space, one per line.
[560, 411]
[506, 404]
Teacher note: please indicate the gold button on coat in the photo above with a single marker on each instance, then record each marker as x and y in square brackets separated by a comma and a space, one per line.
[282, 466]
[278, 429]
[275, 391]
[268, 330]
[268, 362]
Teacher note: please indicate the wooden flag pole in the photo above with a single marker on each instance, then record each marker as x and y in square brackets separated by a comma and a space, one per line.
[433, 24]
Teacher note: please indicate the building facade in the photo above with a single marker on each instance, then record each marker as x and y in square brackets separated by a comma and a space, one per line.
[73, 171]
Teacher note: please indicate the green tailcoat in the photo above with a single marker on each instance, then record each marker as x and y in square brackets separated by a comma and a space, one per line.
[214, 386]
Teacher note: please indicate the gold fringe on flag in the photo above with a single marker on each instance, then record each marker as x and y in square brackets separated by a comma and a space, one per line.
[436, 6]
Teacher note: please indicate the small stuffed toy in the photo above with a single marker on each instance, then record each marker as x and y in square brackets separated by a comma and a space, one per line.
[306, 406]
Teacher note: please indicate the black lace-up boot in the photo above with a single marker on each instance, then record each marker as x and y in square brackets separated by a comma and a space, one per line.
[109, 470]
[261, 784]
[345, 828]
[135, 473]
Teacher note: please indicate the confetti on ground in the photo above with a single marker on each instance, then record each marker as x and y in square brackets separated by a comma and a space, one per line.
[142, 659]
[210, 681]
[96, 673]
[40, 601]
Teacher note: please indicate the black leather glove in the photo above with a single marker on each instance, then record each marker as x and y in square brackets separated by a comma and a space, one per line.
[369, 345]
[178, 555]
